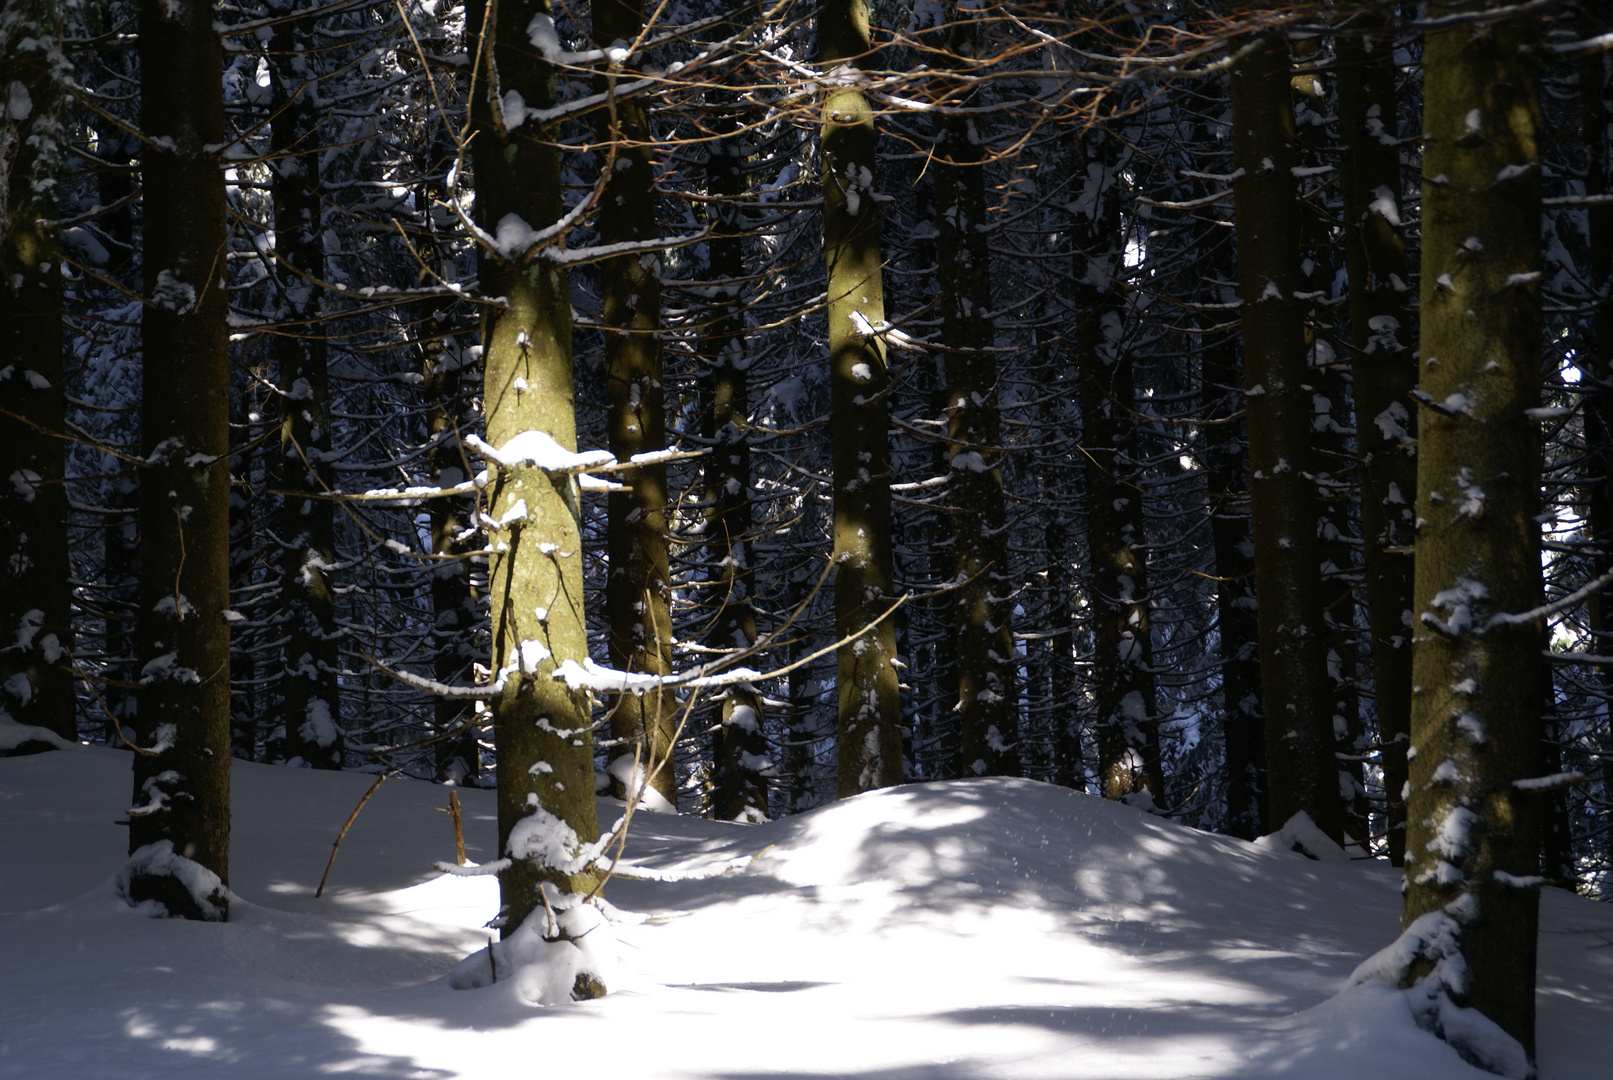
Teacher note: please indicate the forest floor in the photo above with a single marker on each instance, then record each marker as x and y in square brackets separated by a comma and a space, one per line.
[964, 931]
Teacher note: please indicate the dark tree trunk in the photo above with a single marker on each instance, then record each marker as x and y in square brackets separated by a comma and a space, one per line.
[986, 704]
[36, 682]
[638, 599]
[1596, 357]
[1123, 651]
[1226, 462]
[1384, 371]
[1301, 770]
[182, 775]
[741, 755]
[309, 702]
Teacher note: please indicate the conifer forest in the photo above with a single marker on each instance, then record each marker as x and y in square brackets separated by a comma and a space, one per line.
[732, 407]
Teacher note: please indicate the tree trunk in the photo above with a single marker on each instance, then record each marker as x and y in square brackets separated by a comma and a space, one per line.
[1384, 373]
[870, 741]
[1123, 651]
[309, 705]
[986, 704]
[1301, 770]
[182, 780]
[453, 600]
[36, 682]
[541, 728]
[1226, 462]
[638, 600]
[741, 753]
[1473, 842]
[1596, 357]
[1332, 440]
[120, 486]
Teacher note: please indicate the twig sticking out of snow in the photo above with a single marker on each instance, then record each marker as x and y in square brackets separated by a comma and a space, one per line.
[337, 846]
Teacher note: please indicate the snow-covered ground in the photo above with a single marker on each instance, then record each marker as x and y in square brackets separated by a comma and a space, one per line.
[964, 931]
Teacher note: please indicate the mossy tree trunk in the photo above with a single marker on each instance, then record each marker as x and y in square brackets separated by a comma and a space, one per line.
[541, 728]
[1301, 769]
[36, 683]
[870, 738]
[638, 600]
[182, 779]
[1473, 841]
[309, 696]
[1384, 373]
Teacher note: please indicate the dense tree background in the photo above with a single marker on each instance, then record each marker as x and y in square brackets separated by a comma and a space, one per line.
[1002, 353]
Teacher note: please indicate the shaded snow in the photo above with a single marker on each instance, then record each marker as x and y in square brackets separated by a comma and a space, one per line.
[973, 930]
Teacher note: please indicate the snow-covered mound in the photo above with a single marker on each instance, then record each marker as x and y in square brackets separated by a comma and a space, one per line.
[965, 931]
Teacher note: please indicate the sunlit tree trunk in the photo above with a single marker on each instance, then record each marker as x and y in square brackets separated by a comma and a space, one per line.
[182, 776]
[36, 684]
[870, 742]
[542, 729]
[1473, 844]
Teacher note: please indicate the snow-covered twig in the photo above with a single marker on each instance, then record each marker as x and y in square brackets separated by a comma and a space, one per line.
[1554, 782]
[1561, 604]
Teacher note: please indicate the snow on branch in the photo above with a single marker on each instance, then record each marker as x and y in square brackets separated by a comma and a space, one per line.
[1554, 782]
[540, 449]
[1561, 604]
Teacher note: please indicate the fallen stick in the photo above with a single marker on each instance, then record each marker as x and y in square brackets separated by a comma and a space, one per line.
[334, 848]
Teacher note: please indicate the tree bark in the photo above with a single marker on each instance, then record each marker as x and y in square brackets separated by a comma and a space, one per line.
[1226, 462]
[1596, 358]
[1301, 770]
[1384, 373]
[542, 729]
[182, 781]
[870, 742]
[309, 695]
[639, 598]
[36, 682]
[742, 762]
[987, 705]
[1123, 652]
[1473, 841]
[1332, 441]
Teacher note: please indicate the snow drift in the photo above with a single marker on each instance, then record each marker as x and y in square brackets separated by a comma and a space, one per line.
[964, 931]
